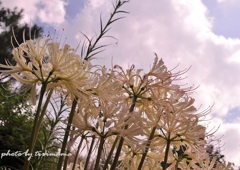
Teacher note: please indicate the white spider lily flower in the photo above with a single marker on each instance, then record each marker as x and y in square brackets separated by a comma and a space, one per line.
[43, 61]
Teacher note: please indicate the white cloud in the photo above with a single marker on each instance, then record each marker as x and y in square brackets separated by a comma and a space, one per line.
[230, 138]
[235, 58]
[193, 14]
[29, 7]
[50, 12]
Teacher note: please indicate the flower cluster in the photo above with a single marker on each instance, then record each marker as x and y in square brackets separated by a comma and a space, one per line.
[44, 62]
[152, 115]
[124, 119]
[136, 120]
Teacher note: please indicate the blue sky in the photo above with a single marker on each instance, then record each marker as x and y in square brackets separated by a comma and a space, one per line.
[203, 34]
[226, 17]
[74, 7]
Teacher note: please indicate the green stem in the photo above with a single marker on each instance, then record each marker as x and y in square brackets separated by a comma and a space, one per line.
[39, 123]
[66, 161]
[89, 152]
[110, 153]
[147, 148]
[33, 135]
[67, 131]
[93, 46]
[176, 166]
[100, 148]
[79, 146]
[115, 161]
[166, 153]
[43, 111]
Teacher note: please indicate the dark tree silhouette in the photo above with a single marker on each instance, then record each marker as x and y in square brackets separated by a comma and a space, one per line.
[9, 24]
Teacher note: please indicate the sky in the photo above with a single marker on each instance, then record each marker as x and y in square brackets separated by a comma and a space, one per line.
[201, 34]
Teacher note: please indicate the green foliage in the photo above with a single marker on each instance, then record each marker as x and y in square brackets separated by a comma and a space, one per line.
[15, 124]
[16, 121]
[16, 113]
